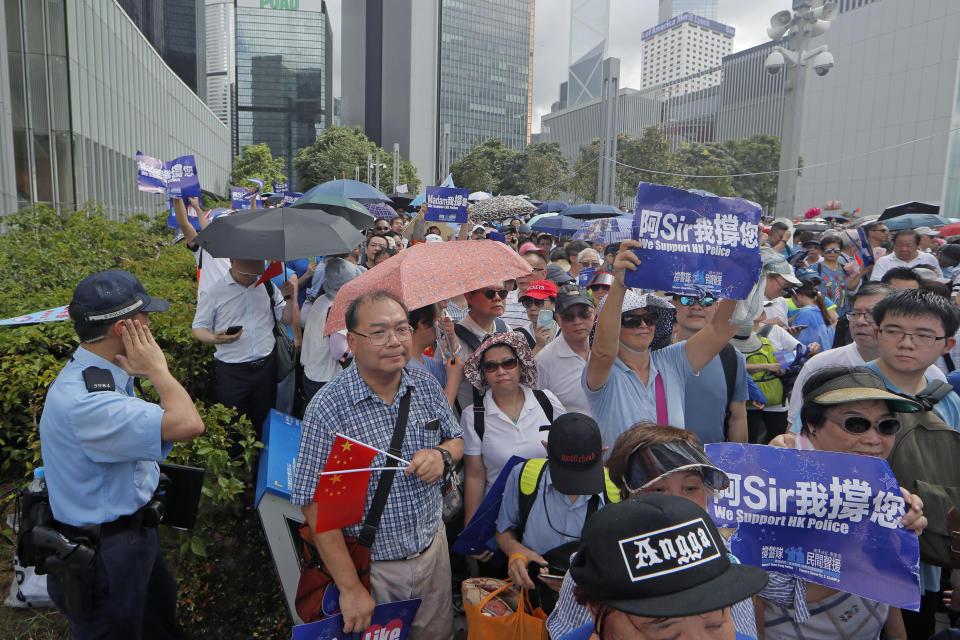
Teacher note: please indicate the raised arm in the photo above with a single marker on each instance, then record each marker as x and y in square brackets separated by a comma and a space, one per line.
[606, 340]
[183, 221]
[707, 343]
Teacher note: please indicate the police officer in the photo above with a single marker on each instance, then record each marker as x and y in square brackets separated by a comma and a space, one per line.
[100, 444]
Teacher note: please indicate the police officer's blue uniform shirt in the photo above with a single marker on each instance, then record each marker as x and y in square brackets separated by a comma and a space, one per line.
[99, 448]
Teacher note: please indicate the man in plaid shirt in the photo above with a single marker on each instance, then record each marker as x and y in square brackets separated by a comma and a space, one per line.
[409, 557]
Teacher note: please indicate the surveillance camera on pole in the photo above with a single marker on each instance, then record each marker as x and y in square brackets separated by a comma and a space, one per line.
[822, 63]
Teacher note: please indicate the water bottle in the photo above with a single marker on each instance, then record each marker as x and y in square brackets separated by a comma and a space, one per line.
[39, 483]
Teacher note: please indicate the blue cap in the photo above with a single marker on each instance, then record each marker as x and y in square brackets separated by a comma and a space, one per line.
[107, 296]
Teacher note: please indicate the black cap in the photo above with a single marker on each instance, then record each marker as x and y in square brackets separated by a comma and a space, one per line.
[660, 556]
[557, 275]
[107, 296]
[570, 295]
[575, 455]
[950, 254]
[611, 249]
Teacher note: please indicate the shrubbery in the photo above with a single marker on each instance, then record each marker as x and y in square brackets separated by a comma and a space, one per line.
[43, 256]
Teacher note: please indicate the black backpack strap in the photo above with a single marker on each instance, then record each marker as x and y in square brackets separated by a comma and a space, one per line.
[479, 414]
[934, 392]
[526, 501]
[765, 330]
[531, 341]
[467, 337]
[728, 360]
[499, 326]
[544, 404]
[592, 506]
[372, 522]
[947, 360]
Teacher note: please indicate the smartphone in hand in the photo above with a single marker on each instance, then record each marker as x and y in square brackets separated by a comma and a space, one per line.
[234, 330]
[545, 318]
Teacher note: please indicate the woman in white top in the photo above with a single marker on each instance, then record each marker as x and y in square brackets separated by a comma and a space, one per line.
[503, 370]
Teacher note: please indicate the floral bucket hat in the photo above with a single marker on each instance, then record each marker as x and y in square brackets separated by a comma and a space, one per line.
[512, 339]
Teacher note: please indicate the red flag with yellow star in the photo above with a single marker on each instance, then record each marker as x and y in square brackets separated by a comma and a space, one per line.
[341, 498]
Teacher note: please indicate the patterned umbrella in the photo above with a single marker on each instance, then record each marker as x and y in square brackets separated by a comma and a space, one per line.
[499, 208]
[380, 210]
[430, 272]
[606, 230]
[591, 211]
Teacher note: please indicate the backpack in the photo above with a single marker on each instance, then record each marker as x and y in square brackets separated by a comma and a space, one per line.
[728, 360]
[499, 326]
[924, 458]
[768, 383]
[531, 474]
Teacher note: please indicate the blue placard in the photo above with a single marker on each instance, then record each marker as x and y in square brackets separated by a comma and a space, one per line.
[289, 197]
[390, 621]
[477, 536]
[829, 518]
[280, 187]
[446, 205]
[191, 216]
[240, 198]
[865, 249]
[178, 177]
[585, 276]
[281, 443]
[693, 243]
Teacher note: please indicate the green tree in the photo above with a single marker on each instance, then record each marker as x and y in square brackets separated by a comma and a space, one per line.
[543, 170]
[709, 159]
[336, 153]
[583, 183]
[651, 151]
[757, 153]
[489, 166]
[256, 161]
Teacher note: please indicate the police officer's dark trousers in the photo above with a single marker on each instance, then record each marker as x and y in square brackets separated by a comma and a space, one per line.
[135, 596]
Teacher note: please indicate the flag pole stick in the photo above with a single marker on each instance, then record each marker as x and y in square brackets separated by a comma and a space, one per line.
[334, 473]
[364, 444]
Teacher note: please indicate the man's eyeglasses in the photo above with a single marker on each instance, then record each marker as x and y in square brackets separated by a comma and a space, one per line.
[490, 293]
[632, 321]
[894, 336]
[831, 251]
[689, 301]
[583, 314]
[858, 425]
[528, 302]
[861, 315]
[507, 365]
[380, 338]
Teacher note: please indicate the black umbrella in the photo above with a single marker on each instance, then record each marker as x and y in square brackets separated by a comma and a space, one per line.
[401, 199]
[909, 207]
[278, 235]
[354, 212]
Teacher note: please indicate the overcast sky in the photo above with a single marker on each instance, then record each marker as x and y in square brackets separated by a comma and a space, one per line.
[628, 18]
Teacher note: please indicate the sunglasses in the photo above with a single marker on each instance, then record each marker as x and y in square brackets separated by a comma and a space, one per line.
[633, 321]
[383, 228]
[831, 251]
[599, 287]
[507, 365]
[583, 314]
[590, 264]
[857, 425]
[528, 302]
[689, 301]
[490, 293]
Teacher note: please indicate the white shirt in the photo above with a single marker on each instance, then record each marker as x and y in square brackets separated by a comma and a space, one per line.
[891, 261]
[210, 270]
[776, 308]
[846, 356]
[559, 369]
[781, 339]
[513, 312]
[502, 438]
[227, 303]
[318, 364]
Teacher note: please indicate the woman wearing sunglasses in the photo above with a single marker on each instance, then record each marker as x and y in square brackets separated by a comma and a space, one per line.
[539, 296]
[845, 410]
[629, 377]
[507, 420]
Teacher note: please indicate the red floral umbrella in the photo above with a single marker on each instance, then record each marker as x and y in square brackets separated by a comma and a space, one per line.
[952, 229]
[430, 272]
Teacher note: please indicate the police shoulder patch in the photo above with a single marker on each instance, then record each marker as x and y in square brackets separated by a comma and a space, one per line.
[98, 379]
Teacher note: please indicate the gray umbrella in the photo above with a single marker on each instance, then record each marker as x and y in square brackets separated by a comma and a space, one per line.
[499, 208]
[279, 234]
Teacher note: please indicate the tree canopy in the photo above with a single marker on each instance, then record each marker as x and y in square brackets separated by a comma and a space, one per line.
[256, 161]
[337, 152]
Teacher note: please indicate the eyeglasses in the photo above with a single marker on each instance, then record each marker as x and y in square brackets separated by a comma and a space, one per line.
[584, 314]
[539, 269]
[689, 301]
[490, 293]
[894, 336]
[831, 251]
[858, 425]
[591, 264]
[601, 287]
[633, 321]
[507, 365]
[861, 315]
[528, 302]
[380, 338]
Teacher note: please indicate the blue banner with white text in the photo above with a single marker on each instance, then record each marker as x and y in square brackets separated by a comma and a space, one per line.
[446, 205]
[240, 198]
[178, 177]
[390, 621]
[281, 187]
[829, 518]
[289, 197]
[694, 244]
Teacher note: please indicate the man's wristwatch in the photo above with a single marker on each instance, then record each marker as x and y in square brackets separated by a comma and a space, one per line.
[447, 459]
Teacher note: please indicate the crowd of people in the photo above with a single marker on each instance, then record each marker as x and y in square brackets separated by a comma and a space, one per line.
[608, 393]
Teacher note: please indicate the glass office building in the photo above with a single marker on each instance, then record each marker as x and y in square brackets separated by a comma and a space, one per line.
[486, 65]
[81, 91]
[283, 82]
[709, 9]
[589, 32]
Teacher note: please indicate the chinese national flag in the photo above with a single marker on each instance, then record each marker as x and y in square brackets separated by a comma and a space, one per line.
[341, 498]
[275, 269]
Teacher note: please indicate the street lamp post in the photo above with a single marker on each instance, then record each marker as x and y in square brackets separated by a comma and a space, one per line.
[803, 24]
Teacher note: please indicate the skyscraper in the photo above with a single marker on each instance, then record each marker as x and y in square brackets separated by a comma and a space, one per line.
[221, 59]
[283, 80]
[589, 32]
[175, 29]
[486, 58]
[681, 46]
[708, 9]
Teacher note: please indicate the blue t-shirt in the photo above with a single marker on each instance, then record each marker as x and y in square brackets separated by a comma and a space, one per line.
[817, 330]
[623, 400]
[705, 404]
